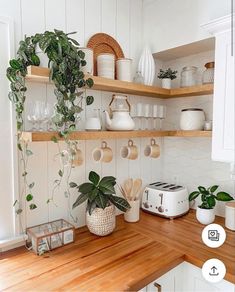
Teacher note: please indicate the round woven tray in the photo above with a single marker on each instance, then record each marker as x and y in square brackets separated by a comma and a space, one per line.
[104, 43]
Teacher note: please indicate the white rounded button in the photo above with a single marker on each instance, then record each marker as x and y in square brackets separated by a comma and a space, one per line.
[213, 270]
[213, 235]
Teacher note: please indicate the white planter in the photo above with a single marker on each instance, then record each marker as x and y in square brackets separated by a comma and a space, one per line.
[101, 222]
[147, 66]
[166, 83]
[205, 216]
[88, 68]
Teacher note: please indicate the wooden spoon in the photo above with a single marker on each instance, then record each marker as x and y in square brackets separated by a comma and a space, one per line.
[127, 187]
[137, 184]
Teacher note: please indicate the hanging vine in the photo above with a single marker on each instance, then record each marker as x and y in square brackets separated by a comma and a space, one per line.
[65, 63]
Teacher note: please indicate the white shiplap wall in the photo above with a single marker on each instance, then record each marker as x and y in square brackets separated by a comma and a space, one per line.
[123, 20]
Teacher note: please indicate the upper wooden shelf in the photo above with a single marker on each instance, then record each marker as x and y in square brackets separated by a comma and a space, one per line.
[41, 74]
[98, 135]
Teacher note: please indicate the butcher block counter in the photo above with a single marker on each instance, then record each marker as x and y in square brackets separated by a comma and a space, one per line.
[130, 258]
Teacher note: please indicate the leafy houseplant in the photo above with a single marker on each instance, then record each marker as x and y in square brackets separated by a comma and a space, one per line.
[205, 211]
[65, 62]
[101, 199]
[166, 76]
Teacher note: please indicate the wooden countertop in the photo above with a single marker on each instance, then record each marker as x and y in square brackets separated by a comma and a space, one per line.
[133, 256]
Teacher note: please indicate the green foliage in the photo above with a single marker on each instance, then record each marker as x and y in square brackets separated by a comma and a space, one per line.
[167, 74]
[208, 197]
[99, 193]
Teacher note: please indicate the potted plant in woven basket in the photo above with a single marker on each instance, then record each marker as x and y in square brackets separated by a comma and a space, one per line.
[205, 211]
[101, 201]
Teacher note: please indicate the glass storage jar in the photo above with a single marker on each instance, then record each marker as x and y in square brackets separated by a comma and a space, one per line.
[188, 76]
[208, 74]
[192, 119]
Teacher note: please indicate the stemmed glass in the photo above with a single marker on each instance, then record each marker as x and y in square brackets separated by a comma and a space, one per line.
[139, 114]
[31, 117]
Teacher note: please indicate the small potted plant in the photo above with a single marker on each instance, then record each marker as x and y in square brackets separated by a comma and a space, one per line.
[101, 202]
[205, 211]
[167, 76]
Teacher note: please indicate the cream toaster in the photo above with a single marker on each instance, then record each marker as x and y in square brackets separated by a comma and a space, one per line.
[164, 199]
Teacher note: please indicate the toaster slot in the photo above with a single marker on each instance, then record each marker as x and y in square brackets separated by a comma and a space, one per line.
[155, 183]
[175, 188]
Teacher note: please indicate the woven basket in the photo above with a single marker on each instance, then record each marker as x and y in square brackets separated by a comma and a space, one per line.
[101, 222]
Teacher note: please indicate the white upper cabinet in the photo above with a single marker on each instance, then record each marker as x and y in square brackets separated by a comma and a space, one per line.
[223, 105]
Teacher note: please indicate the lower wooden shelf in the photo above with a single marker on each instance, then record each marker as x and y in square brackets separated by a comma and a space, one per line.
[96, 135]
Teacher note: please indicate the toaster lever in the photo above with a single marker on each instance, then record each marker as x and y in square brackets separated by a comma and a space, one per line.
[161, 196]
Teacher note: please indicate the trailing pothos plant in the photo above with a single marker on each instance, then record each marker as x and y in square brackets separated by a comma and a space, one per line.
[99, 193]
[65, 61]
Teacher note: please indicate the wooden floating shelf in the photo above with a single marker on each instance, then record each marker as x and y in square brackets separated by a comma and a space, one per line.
[99, 135]
[41, 74]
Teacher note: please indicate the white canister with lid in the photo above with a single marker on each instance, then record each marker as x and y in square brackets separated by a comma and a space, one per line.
[124, 69]
[88, 68]
[192, 119]
[106, 65]
[188, 76]
[230, 215]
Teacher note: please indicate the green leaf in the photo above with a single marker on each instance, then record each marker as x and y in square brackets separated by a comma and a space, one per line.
[19, 211]
[29, 197]
[211, 201]
[31, 185]
[54, 139]
[89, 100]
[29, 152]
[101, 201]
[73, 185]
[60, 172]
[94, 178]
[213, 188]
[89, 82]
[35, 60]
[32, 206]
[107, 190]
[19, 147]
[223, 196]
[93, 194]
[120, 203]
[202, 189]
[15, 64]
[91, 207]
[80, 199]
[86, 188]
[193, 195]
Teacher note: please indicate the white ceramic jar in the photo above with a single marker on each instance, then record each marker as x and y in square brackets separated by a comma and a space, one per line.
[192, 119]
[88, 68]
[230, 215]
[106, 65]
[124, 69]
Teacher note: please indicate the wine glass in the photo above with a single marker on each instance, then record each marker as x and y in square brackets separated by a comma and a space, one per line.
[31, 117]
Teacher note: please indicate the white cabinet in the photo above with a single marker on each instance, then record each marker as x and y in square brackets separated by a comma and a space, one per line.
[223, 105]
[187, 278]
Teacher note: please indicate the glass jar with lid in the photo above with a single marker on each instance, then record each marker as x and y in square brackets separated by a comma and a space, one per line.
[188, 76]
[208, 74]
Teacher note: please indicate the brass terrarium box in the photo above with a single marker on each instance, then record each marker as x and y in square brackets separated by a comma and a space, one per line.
[48, 236]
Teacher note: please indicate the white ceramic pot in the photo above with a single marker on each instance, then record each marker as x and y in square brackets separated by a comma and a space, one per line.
[166, 83]
[192, 119]
[101, 222]
[147, 66]
[88, 68]
[124, 71]
[205, 216]
[106, 65]
[133, 214]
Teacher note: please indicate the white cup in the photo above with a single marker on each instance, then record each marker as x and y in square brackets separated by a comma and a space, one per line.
[133, 214]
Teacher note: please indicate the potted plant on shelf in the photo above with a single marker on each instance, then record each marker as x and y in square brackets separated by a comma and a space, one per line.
[166, 76]
[205, 211]
[101, 202]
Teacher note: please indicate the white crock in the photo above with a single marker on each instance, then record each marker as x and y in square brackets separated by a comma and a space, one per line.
[166, 83]
[124, 69]
[106, 65]
[205, 216]
[192, 119]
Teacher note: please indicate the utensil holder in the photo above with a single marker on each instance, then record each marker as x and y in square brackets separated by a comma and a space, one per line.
[133, 214]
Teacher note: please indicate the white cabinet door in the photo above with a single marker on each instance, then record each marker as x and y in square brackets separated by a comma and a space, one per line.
[168, 282]
[194, 281]
[223, 137]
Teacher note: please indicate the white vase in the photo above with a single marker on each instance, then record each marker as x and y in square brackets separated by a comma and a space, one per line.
[147, 66]
[205, 216]
[166, 83]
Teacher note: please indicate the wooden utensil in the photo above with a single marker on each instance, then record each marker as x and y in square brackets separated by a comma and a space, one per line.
[137, 184]
[127, 187]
